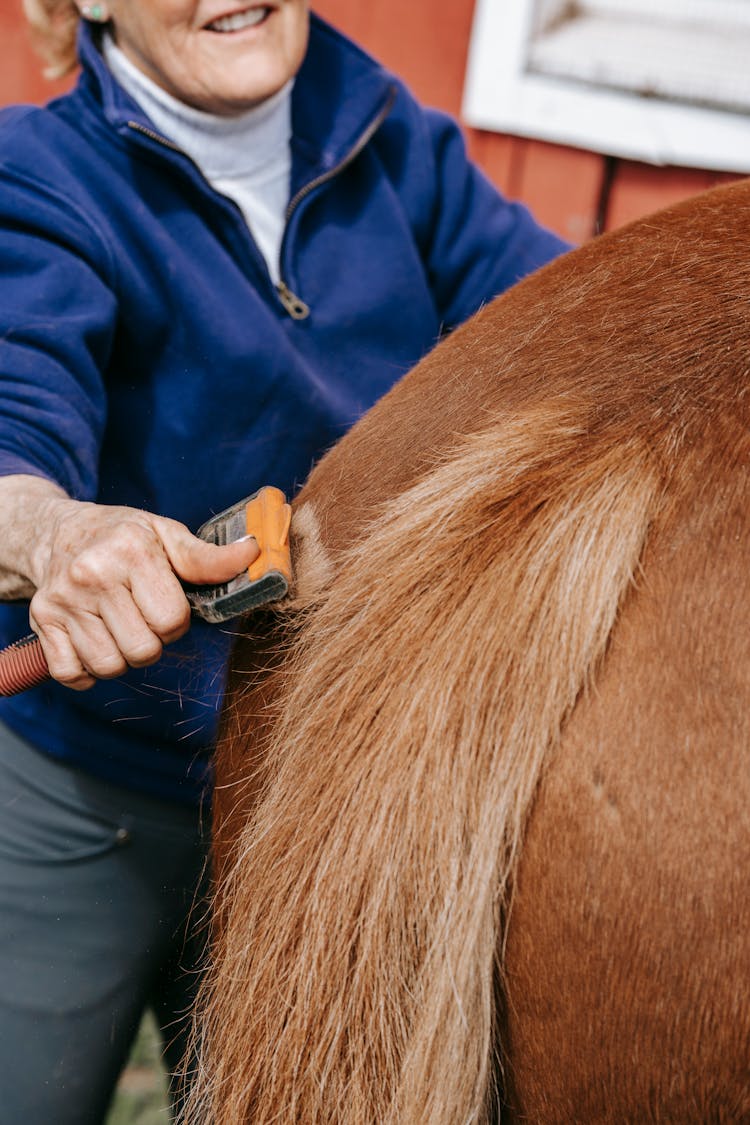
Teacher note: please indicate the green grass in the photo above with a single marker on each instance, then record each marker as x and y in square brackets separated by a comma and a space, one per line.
[141, 1095]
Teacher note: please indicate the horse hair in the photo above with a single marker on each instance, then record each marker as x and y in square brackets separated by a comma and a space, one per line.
[429, 681]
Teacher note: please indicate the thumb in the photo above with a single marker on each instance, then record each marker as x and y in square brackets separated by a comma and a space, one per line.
[194, 560]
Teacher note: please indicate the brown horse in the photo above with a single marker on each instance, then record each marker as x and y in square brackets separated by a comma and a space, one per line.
[484, 831]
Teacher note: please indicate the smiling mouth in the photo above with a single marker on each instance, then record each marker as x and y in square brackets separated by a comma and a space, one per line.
[238, 21]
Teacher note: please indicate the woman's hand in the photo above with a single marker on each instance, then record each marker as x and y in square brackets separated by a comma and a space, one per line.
[106, 584]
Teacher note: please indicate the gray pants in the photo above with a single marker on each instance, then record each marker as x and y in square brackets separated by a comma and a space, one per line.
[100, 918]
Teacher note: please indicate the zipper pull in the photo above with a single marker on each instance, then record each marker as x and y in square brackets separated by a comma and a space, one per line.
[293, 304]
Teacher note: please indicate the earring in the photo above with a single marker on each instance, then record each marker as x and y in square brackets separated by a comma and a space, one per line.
[97, 13]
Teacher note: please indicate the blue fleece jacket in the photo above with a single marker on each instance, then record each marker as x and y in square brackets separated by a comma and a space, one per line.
[146, 357]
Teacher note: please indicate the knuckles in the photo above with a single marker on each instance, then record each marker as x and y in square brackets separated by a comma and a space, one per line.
[143, 654]
[108, 666]
[70, 673]
[80, 681]
[173, 624]
[89, 571]
[107, 562]
[44, 611]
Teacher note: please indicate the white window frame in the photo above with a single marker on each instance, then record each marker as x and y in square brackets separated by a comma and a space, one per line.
[500, 94]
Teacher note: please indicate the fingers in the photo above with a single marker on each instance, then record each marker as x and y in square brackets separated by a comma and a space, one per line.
[87, 647]
[194, 560]
[62, 659]
[129, 628]
[110, 597]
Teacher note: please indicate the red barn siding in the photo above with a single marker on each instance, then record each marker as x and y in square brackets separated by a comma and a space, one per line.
[426, 41]
[575, 192]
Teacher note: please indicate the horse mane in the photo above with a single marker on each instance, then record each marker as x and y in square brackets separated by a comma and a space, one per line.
[355, 978]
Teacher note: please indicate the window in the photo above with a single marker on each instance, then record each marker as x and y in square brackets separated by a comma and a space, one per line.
[661, 80]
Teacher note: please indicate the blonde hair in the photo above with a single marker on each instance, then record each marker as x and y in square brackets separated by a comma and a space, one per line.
[54, 24]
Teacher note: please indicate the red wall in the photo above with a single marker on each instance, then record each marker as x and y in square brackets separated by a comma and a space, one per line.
[426, 42]
[21, 77]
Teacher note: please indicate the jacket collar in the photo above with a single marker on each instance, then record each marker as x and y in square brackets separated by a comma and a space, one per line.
[340, 96]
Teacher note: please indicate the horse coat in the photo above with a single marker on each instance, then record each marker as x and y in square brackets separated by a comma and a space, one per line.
[482, 823]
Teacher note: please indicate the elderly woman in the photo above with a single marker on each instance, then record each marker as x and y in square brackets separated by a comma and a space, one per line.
[227, 242]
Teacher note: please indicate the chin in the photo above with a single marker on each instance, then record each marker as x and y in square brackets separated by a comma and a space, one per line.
[260, 89]
[233, 97]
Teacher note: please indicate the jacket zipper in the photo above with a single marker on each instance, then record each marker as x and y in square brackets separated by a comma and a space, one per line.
[352, 154]
[294, 305]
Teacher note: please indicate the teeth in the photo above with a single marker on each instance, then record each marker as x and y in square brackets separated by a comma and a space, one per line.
[239, 20]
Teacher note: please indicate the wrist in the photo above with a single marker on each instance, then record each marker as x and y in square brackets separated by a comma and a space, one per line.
[32, 508]
[51, 510]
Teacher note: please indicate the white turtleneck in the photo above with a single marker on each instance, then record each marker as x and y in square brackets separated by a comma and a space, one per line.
[247, 157]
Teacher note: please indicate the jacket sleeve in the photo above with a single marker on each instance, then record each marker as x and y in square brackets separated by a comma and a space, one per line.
[57, 323]
[475, 244]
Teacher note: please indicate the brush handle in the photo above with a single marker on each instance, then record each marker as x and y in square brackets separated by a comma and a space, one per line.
[22, 665]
